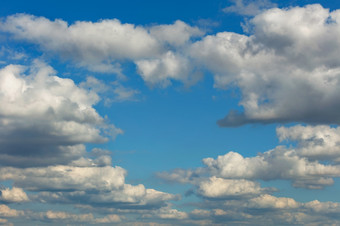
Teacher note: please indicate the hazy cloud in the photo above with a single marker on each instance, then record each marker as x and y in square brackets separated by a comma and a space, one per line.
[249, 7]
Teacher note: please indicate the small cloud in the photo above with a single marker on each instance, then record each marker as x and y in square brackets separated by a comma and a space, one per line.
[249, 7]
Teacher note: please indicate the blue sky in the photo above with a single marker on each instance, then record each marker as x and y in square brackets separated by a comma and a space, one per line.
[169, 112]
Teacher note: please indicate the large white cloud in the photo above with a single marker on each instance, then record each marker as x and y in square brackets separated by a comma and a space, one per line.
[84, 41]
[287, 70]
[51, 116]
[279, 163]
[100, 46]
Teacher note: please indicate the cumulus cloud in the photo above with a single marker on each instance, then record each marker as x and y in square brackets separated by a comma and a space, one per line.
[271, 202]
[95, 185]
[166, 67]
[215, 187]
[6, 211]
[170, 33]
[84, 42]
[100, 46]
[287, 70]
[301, 164]
[13, 195]
[313, 142]
[275, 164]
[51, 116]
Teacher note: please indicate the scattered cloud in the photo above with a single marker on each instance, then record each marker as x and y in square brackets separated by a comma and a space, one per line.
[112, 92]
[285, 163]
[249, 7]
[287, 70]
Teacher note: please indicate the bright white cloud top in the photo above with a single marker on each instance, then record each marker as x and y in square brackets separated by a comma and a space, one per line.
[62, 84]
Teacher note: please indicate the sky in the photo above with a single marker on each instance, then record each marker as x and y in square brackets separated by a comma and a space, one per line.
[169, 112]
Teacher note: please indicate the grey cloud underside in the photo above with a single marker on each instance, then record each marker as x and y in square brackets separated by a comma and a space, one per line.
[287, 69]
[45, 122]
[45, 119]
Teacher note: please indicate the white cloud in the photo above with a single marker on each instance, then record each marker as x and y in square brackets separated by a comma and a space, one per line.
[13, 195]
[313, 142]
[62, 177]
[167, 213]
[176, 34]
[271, 202]
[301, 165]
[51, 116]
[62, 216]
[279, 163]
[85, 42]
[215, 187]
[87, 180]
[169, 66]
[5, 211]
[287, 70]
[249, 7]
[100, 45]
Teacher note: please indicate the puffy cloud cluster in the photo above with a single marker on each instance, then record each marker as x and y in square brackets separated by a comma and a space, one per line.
[45, 122]
[300, 164]
[102, 45]
[230, 184]
[287, 68]
[279, 163]
[51, 116]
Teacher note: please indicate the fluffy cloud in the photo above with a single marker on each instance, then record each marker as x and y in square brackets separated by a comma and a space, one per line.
[287, 70]
[169, 33]
[166, 67]
[275, 164]
[51, 116]
[85, 42]
[271, 202]
[13, 195]
[95, 185]
[100, 45]
[313, 142]
[5, 211]
[301, 165]
[219, 188]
